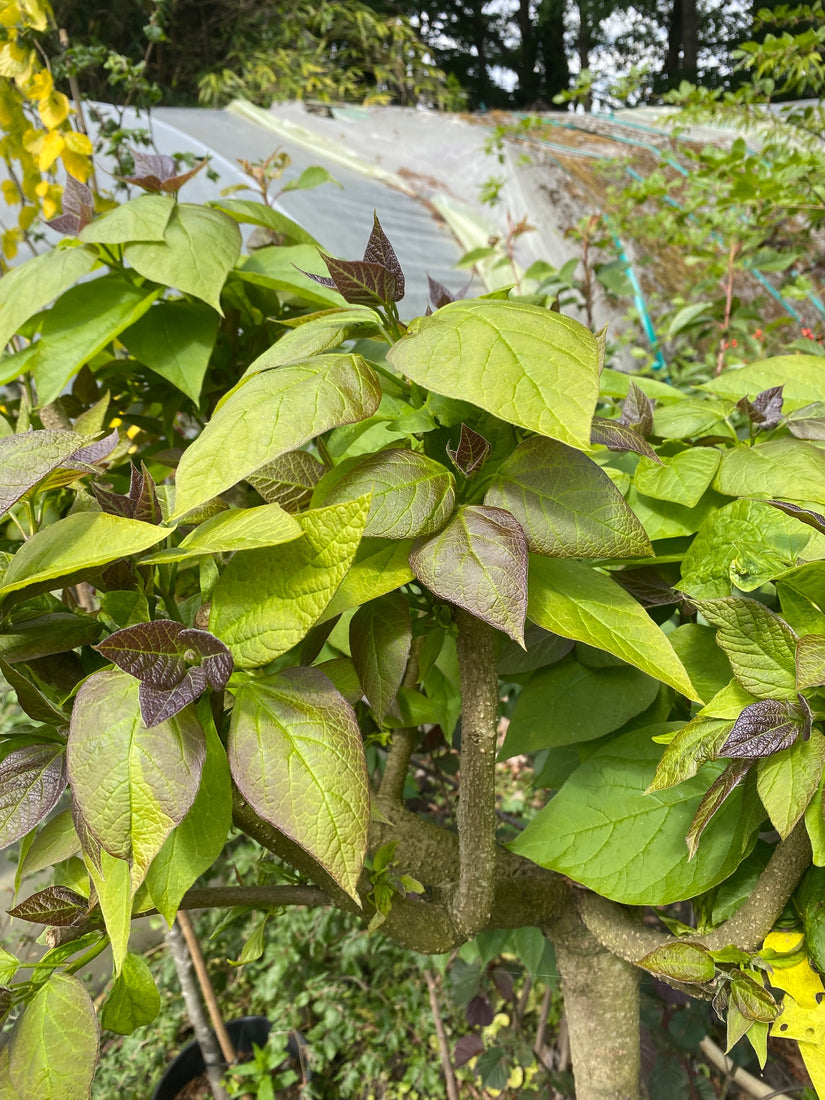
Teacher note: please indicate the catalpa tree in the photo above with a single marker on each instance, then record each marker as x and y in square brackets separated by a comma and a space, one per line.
[260, 537]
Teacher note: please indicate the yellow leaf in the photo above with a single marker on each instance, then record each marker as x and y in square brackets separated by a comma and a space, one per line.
[10, 241]
[50, 150]
[9, 14]
[26, 216]
[53, 110]
[78, 166]
[10, 192]
[33, 141]
[78, 143]
[36, 14]
[16, 61]
[40, 85]
[802, 1018]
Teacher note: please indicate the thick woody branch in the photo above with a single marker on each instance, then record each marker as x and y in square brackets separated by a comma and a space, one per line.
[476, 812]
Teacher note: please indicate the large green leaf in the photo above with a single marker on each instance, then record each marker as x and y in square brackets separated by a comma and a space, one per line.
[569, 703]
[115, 884]
[378, 567]
[605, 832]
[175, 340]
[194, 845]
[526, 365]
[273, 413]
[578, 602]
[43, 635]
[411, 494]
[131, 784]
[141, 219]
[82, 323]
[297, 756]
[787, 781]
[380, 637]
[249, 212]
[266, 600]
[760, 646]
[27, 289]
[742, 545]
[692, 420]
[566, 504]
[281, 268]
[706, 664]
[478, 562]
[53, 1049]
[799, 375]
[75, 544]
[789, 469]
[234, 529]
[681, 478]
[133, 999]
[199, 249]
[662, 519]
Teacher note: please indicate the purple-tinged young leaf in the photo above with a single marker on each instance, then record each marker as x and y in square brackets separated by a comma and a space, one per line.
[157, 172]
[148, 651]
[719, 1003]
[94, 453]
[804, 515]
[478, 562]
[479, 1011]
[380, 638]
[617, 437]
[32, 779]
[718, 791]
[322, 280]
[646, 585]
[141, 502]
[766, 727]
[471, 453]
[380, 251]
[28, 457]
[752, 999]
[157, 705]
[288, 480]
[363, 284]
[765, 409]
[467, 1047]
[637, 411]
[56, 905]
[681, 961]
[441, 295]
[78, 208]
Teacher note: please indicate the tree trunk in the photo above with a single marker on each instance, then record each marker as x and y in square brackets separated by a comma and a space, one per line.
[601, 1002]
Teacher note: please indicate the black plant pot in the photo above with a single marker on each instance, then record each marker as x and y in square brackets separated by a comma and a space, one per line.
[189, 1064]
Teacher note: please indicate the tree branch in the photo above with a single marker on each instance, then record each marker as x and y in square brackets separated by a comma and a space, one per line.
[476, 812]
[618, 929]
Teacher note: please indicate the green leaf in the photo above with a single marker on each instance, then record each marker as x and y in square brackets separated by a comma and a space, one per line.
[232, 530]
[526, 365]
[787, 781]
[789, 469]
[297, 724]
[273, 413]
[115, 887]
[479, 562]
[605, 832]
[570, 703]
[801, 593]
[175, 340]
[53, 1049]
[77, 544]
[141, 219]
[815, 823]
[716, 796]
[266, 600]
[810, 661]
[27, 289]
[132, 785]
[411, 495]
[314, 176]
[316, 334]
[380, 637]
[56, 841]
[681, 478]
[249, 212]
[744, 544]
[662, 519]
[47, 634]
[694, 745]
[692, 420]
[378, 567]
[194, 845]
[199, 249]
[615, 383]
[578, 602]
[799, 375]
[80, 324]
[706, 664]
[752, 999]
[282, 268]
[288, 480]
[683, 962]
[566, 504]
[133, 999]
[759, 645]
